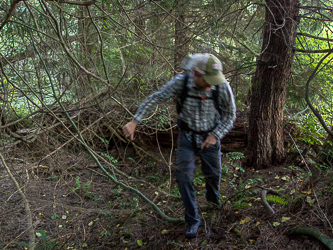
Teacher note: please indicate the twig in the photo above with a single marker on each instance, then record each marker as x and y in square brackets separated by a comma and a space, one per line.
[314, 110]
[299, 152]
[277, 235]
[73, 138]
[88, 149]
[314, 192]
[32, 237]
[78, 3]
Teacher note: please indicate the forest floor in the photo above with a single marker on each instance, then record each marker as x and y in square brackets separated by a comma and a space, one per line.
[75, 206]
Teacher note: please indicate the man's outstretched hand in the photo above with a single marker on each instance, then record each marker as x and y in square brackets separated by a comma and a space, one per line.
[210, 140]
[129, 129]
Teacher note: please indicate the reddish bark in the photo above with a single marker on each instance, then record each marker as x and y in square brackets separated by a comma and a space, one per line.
[181, 41]
[269, 84]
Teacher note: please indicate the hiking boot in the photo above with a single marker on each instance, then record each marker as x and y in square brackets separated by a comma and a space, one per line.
[192, 230]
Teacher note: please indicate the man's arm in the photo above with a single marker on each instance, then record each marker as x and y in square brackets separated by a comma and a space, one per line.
[166, 92]
[228, 107]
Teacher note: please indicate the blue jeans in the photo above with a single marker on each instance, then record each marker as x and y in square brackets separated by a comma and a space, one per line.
[185, 167]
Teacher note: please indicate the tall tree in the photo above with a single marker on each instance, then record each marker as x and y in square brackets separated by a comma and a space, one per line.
[270, 81]
[181, 41]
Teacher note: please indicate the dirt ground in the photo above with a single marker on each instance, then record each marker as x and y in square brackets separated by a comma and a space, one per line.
[74, 205]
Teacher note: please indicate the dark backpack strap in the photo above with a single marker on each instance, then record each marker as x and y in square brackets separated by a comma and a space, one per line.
[216, 99]
[181, 98]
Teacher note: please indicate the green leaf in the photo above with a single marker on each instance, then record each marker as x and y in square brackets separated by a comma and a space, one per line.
[284, 219]
[139, 242]
[54, 216]
[310, 201]
[276, 199]
[130, 158]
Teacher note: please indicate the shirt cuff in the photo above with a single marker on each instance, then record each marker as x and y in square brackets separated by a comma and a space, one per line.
[136, 119]
[218, 136]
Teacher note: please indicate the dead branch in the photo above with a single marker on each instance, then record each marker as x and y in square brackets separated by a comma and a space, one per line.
[85, 3]
[32, 237]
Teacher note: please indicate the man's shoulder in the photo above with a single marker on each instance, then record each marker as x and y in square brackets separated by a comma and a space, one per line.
[182, 76]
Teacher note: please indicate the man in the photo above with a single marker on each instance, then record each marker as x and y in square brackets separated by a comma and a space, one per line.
[202, 123]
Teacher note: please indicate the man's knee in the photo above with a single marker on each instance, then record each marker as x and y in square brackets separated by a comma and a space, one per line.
[182, 176]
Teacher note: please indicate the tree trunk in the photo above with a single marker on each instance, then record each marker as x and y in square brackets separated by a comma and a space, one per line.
[181, 44]
[266, 144]
[140, 24]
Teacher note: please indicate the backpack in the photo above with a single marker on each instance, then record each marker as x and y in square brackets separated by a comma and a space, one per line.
[183, 95]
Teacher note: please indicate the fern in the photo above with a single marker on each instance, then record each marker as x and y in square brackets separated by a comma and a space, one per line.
[241, 204]
[276, 199]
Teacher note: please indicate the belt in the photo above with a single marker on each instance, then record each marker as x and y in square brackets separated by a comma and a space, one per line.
[184, 126]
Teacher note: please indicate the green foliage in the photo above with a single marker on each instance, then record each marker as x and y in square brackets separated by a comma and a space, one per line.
[54, 216]
[244, 188]
[233, 157]
[53, 178]
[276, 199]
[85, 187]
[131, 159]
[329, 170]
[43, 244]
[156, 177]
[240, 204]
[326, 153]
[161, 117]
[105, 234]
[111, 158]
[199, 181]
[175, 191]
[310, 131]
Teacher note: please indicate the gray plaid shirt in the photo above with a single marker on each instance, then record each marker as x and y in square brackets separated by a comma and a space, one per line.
[200, 115]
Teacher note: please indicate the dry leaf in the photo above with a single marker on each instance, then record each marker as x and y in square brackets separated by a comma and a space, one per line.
[307, 192]
[247, 219]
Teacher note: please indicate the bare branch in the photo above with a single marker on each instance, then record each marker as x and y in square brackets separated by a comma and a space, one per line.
[315, 37]
[314, 51]
[30, 228]
[10, 12]
[314, 110]
[86, 3]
